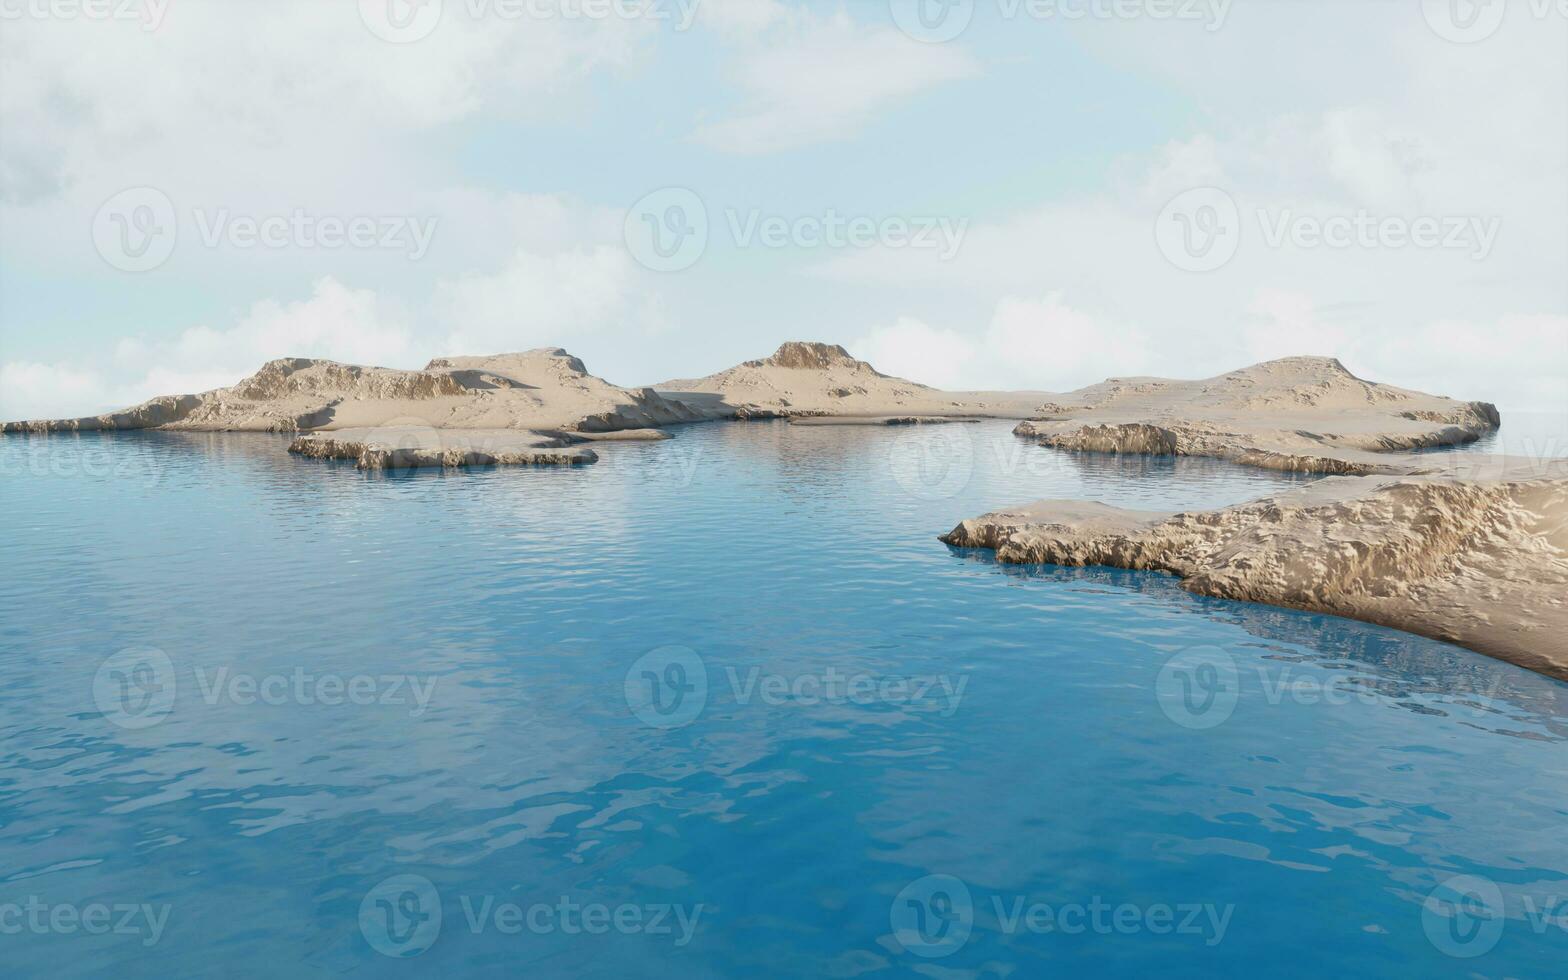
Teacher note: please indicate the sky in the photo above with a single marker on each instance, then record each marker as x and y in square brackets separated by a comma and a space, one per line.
[970, 193]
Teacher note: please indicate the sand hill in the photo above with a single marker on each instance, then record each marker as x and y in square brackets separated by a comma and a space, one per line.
[805, 379]
[1297, 413]
[544, 389]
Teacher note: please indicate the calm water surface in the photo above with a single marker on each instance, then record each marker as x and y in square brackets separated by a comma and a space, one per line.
[722, 706]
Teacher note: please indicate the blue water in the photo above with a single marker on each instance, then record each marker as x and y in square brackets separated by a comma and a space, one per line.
[1040, 771]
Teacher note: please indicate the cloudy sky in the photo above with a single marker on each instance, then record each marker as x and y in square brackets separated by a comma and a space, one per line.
[971, 193]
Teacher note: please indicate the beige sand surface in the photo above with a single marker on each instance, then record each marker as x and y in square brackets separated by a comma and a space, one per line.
[1477, 556]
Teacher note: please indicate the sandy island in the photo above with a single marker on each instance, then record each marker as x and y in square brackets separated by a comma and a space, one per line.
[1472, 549]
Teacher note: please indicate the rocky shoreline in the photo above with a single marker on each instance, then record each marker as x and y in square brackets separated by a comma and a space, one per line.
[1468, 549]
[1476, 557]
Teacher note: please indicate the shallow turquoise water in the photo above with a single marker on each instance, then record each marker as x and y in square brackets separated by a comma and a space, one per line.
[907, 758]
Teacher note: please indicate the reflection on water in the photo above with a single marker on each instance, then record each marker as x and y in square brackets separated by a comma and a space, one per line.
[1033, 733]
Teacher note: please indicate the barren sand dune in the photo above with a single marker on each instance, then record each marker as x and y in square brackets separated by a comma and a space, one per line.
[813, 380]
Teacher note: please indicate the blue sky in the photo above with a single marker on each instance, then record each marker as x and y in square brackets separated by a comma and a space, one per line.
[1063, 146]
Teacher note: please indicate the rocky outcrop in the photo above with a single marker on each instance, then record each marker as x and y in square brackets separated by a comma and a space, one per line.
[402, 448]
[1130, 437]
[1475, 558]
[808, 355]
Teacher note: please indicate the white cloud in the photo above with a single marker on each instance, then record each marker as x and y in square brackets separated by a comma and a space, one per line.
[820, 78]
[31, 390]
[539, 296]
[334, 322]
[1030, 343]
[911, 349]
[1428, 139]
[85, 99]
[542, 299]
[741, 18]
